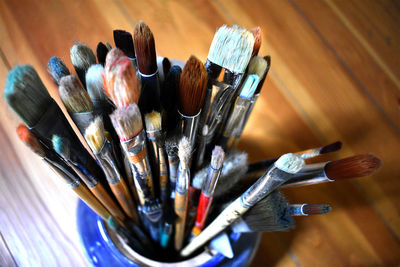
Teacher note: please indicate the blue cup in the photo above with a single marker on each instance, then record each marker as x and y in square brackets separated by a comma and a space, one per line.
[103, 248]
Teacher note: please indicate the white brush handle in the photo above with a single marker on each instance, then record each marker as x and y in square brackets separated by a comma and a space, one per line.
[227, 217]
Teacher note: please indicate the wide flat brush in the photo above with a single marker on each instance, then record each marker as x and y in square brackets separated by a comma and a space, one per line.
[120, 81]
[284, 168]
[57, 69]
[62, 170]
[101, 53]
[27, 96]
[124, 41]
[103, 151]
[82, 57]
[61, 146]
[127, 122]
[147, 65]
[191, 92]
[182, 191]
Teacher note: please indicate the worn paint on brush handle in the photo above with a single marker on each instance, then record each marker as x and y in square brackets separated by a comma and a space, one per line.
[181, 205]
[121, 192]
[105, 199]
[84, 193]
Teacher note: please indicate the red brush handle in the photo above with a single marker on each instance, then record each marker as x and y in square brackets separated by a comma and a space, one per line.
[202, 210]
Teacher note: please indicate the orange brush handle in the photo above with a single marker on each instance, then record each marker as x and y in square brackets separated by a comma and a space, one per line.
[84, 193]
[121, 192]
[102, 195]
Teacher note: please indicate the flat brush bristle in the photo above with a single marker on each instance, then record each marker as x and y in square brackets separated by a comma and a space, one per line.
[120, 79]
[331, 148]
[30, 140]
[145, 48]
[94, 135]
[153, 121]
[184, 151]
[61, 146]
[57, 69]
[127, 121]
[217, 158]
[74, 97]
[315, 209]
[82, 57]
[260, 85]
[123, 40]
[192, 87]
[101, 52]
[258, 66]
[352, 167]
[94, 83]
[26, 94]
[257, 40]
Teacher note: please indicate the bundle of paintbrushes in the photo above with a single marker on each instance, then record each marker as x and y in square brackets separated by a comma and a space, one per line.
[163, 169]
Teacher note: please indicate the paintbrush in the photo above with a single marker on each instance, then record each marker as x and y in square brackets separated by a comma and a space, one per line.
[156, 137]
[27, 96]
[61, 146]
[201, 149]
[166, 66]
[77, 102]
[82, 57]
[233, 126]
[169, 99]
[101, 53]
[62, 170]
[181, 191]
[127, 122]
[103, 151]
[171, 147]
[257, 40]
[124, 41]
[309, 209]
[147, 65]
[120, 84]
[208, 188]
[191, 92]
[284, 168]
[57, 69]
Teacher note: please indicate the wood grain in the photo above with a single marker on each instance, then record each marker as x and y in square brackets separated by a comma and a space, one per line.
[334, 76]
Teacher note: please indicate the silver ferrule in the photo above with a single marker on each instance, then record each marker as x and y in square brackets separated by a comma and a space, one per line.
[107, 162]
[312, 167]
[85, 176]
[210, 182]
[82, 120]
[308, 176]
[68, 177]
[267, 183]
[297, 210]
[248, 111]
[182, 180]
[189, 125]
[235, 120]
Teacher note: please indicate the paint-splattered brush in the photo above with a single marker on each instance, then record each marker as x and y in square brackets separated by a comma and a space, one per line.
[82, 57]
[57, 69]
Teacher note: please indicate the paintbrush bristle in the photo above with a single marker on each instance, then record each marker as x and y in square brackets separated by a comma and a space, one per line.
[57, 69]
[127, 121]
[331, 148]
[153, 121]
[166, 64]
[231, 48]
[101, 52]
[249, 86]
[217, 158]
[290, 163]
[258, 66]
[171, 146]
[121, 83]
[184, 151]
[26, 94]
[30, 140]
[94, 135]
[74, 97]
[261, 83]
[145, 48]
[352, 167]
[94, 82]
[315, 209]
[123, 40]
[82, 57]
[61, 146]
[257, 40]
[192, 87]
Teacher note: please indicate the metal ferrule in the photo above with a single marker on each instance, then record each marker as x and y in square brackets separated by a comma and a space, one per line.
[267, 183]
[233, 78]
[236, 118]
[248, 111]
[68, 177]
[211, 181]
[136, 152]
[89, 179]
[182, 180]
[173, 165]
[189, 126]
[297, 210]
[82, 120]
[314, 174]
[156, 138]
[107, 162]
[150, 96]
[213, 70]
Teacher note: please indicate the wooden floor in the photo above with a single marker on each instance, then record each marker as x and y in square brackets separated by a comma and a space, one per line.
[335, 76]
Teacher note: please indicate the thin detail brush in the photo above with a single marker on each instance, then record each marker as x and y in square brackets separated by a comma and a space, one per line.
[57, 69]
[101, 53]
[171, 147]
[82, 57]
[309, 209]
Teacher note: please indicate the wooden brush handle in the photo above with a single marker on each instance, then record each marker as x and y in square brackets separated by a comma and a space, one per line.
[102, 195]
[121, 192]
[84, 193]
[181, 204]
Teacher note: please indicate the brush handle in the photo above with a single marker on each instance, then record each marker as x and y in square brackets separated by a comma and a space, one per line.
[84, 193]
[202, 210]
[227, 216]
[173, 165]
[121, 193]
[101, 194]
[189, 125]
[152, 214]
[181, 207]
[150, 97]
[164, 192]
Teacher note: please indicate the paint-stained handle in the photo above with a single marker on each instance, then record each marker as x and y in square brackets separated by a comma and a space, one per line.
[105, 199]
[84, 193]
[181, 205]
[121, 192]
